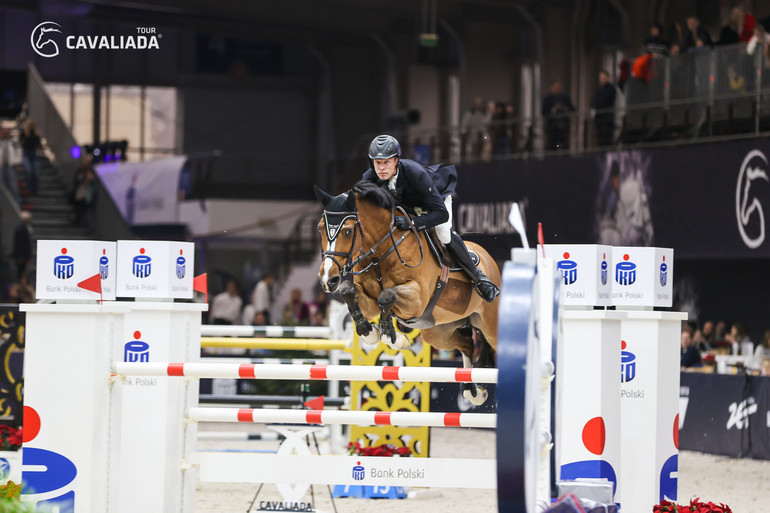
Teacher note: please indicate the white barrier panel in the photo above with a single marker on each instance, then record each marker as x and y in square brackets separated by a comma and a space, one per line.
[308, 372]
[155, 269]
[585, 270]
[649, 406]
[588, 395]
[642, 276]
[359, 418]
[346, 470]
[62, 264]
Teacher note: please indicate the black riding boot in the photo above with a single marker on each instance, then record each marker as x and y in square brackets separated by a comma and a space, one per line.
[486, 289]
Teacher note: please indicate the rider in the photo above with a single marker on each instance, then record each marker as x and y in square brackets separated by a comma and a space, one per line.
[421, 190]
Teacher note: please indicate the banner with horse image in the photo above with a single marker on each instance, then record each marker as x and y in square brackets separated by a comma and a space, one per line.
[707, 201]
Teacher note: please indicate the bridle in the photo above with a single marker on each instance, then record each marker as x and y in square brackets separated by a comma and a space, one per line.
[350, 262]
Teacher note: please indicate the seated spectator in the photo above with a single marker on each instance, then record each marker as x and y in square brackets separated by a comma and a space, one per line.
[739, 336]
[764, 368]
[296, 311]
[720, 331]
[761, 352]
[700, 341]
[708, 332]
[690, 356]
[655, 43]
[730, 33]
[320, 306]
[226, 306]
[259, 319]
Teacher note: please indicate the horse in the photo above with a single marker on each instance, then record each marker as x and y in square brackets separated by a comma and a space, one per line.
[381, 270]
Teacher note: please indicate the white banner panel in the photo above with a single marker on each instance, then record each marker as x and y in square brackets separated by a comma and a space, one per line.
[159, 269]
[62, 264]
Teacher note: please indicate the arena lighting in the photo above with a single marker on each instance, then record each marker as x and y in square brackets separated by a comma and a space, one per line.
[76, 152]
[108, 151]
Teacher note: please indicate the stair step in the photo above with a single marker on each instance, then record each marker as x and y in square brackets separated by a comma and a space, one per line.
[69, 232]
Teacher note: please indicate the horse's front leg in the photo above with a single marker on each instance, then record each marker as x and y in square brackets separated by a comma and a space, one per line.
[366, 330]
[388, 297]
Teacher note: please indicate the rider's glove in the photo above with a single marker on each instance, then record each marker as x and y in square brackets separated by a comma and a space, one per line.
[402, 223]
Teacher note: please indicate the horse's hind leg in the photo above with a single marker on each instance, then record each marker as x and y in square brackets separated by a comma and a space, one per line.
[388, 333]
[366, 330]
[483, 357]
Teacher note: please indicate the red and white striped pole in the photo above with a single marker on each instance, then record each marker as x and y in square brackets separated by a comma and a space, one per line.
[308, 372]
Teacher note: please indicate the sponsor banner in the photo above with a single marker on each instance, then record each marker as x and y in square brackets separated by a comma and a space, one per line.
[725, 414]
[628, 198]
[157, 269]
[642, 276]
[346, 470]
[585, 271]
[63, 264]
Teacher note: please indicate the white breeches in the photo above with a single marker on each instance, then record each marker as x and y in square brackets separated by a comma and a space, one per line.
[444, 230]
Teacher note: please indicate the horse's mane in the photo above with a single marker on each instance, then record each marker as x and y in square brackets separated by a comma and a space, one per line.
[380, 196]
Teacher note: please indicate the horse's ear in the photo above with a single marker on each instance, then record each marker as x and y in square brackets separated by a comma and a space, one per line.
[323, 197]
[350, 203]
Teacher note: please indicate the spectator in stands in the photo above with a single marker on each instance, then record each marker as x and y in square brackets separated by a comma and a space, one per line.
[690, 356]
[762, 351]
[21, 252]
[21, 291]
[498, 129]
[10, 159]
[296, 311]
[760, 42]
[603, 105]
[739, 335]
[694, 30]
[83, 192]
[226, 306]
[319, 306]
[700, 341]
[737, 81]
[624, 73]
[748, 24]
[262, 297]
[29, 140]
[474, 129]
[730, 33]
[764, 367]
[708, 332]
[556, 109]
[655, 43]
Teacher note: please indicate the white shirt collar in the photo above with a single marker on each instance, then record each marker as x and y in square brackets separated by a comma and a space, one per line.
[392, 181]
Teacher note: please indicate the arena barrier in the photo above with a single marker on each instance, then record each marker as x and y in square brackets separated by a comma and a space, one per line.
[93, 439]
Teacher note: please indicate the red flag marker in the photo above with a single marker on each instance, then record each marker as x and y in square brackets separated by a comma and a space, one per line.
[201, 284]
[94, 284]
[540, 238]
[316, 404]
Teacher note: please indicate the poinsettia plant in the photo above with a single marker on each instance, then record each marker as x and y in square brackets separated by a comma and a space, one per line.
[10, 438]
[695, 506]
[378, 450]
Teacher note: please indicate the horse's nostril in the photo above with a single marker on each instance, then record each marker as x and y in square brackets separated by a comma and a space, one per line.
[334, 282]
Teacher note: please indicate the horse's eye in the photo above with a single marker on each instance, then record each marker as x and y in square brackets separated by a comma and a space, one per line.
[348, 232]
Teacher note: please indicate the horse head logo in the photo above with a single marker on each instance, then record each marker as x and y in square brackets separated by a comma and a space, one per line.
[42, 39]
[748, 208]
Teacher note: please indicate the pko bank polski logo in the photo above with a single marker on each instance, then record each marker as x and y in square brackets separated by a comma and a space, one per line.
[48, 35]
[104, 265]
[627, 364]
[359, 472]
[568, 269]
[663, 272]
[63, 265]
[603, 269]
[180, 265]
[142, 265]
[625, 272]
[136, 350]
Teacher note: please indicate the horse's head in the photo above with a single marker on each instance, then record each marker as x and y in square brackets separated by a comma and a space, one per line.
[339, 228]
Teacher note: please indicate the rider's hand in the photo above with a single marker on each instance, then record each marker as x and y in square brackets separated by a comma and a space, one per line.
[402, 223]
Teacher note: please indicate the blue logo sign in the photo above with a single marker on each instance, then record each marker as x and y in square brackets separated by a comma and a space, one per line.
[180, 267]
[63, 265]
[142, 265]
[668, 483]
[568, 269]
[104, 267]
[359, 472]
[625, 272]
[627, 364]
[604, 272]
[663, 273]
[5, 469]
[136, 350]
[58, 472]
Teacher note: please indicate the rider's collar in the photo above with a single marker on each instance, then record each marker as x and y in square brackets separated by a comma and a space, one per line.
[333, 222]
[392, 181]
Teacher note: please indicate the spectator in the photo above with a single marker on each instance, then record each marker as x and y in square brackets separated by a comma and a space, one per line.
[655, 43]
[262, 297]
[259, 319]
[603, 104]
[762, 351]
[760, 42]
[720, 331]
[739, 336]
[22, 291]
[10, 158]
[700, 341]
[748, 24]
[319, 306]
[693, 32]
[296, 311]
[511, 125]
[730, 33]
[83, 192]
[764, 368]
[498, 129]
[556, 109]
[29, 140]
[737, 81]
[690, 356]
[21, 252]
[226, 306]
[708, 332]
[474, 129]
[624, 73]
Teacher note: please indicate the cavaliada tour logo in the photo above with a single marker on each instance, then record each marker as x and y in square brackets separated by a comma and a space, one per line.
[49, 39]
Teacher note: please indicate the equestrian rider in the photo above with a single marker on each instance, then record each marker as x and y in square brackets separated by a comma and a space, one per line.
[421, 190]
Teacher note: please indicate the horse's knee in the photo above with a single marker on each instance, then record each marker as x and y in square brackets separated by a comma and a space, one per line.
[347, 289]
[386, 299]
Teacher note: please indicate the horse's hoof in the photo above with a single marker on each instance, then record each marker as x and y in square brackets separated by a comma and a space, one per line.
[372, 338]
[477, 399]
[401, 341]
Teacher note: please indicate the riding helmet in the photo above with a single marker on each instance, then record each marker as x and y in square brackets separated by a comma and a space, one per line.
[384, 147]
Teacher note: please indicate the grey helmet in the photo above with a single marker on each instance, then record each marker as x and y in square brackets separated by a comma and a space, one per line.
[384, 147]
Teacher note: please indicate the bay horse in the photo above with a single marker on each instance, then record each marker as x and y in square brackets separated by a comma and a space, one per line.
[381, 270]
